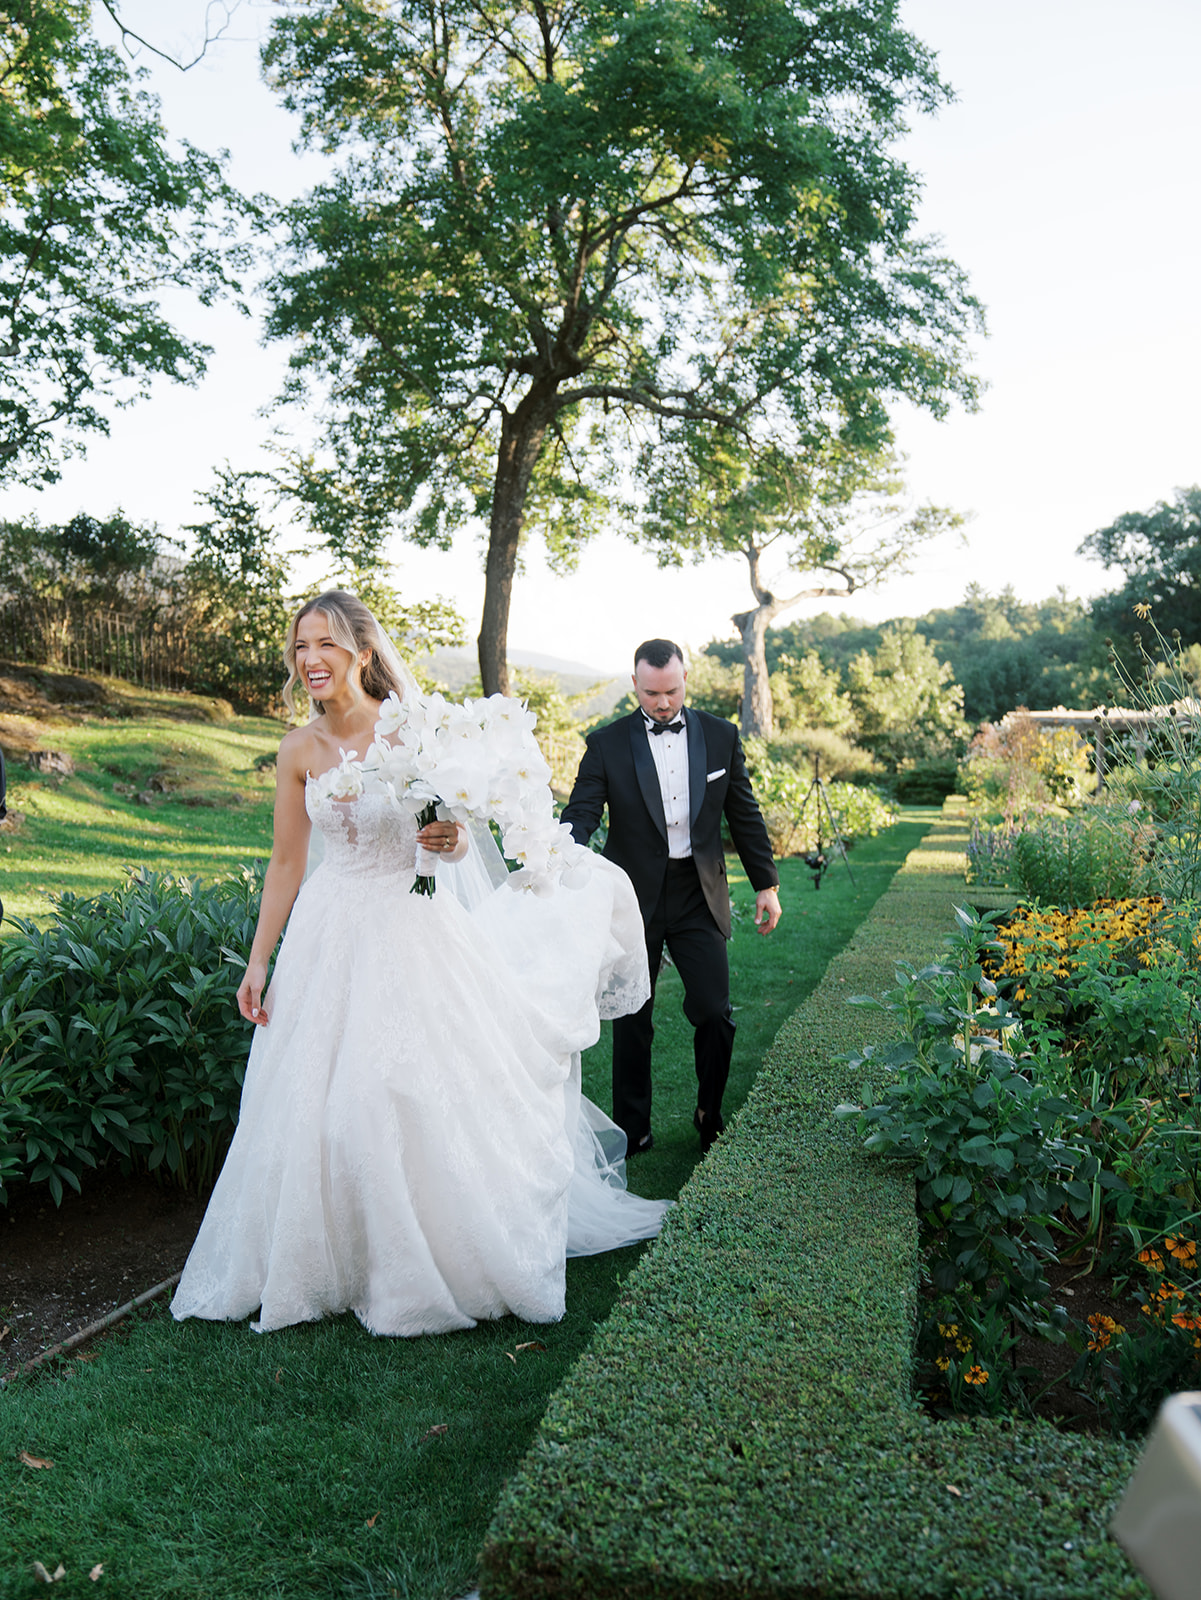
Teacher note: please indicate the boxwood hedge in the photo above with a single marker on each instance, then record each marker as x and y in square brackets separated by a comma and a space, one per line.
[743, 1423]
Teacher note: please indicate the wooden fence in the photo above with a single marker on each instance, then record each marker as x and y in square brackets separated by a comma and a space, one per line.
[151, 654]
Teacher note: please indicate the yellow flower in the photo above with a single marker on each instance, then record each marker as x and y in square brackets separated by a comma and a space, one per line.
[1143, 610]
[942, 1363]
[975, 1375]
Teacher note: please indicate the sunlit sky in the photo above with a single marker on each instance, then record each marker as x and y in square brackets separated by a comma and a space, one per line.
[1064, 179]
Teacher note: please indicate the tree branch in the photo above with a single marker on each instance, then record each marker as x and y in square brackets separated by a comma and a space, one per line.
[209, 38]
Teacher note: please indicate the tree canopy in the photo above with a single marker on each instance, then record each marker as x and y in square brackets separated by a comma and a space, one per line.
[1159, 554]
[558, 226]
[97, 219]
[829, 524]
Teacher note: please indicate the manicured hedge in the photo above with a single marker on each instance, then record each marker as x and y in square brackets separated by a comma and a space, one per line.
[743, 1423]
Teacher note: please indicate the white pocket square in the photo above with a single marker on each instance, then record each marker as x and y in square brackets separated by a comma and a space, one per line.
[720, 773]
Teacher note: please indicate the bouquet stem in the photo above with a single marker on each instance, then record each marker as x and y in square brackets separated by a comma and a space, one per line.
[425, 883]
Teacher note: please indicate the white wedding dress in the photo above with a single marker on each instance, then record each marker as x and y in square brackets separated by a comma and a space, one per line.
[412, 1143]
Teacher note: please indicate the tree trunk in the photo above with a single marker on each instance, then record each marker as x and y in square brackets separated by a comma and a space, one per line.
[522, 433]
[757, 713]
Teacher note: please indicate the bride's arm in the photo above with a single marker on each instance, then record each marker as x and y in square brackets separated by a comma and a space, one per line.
[285, 872]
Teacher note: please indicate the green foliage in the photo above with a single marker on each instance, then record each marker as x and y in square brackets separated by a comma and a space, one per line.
[1003, 651]
[1074, 861]
[1110, 994]
[838, 758]
[1159, 552]
[237, 606]
[925, 783]
[1017, 766]
[552, 222]
[990, 1162]
[1162, 756]
[796, 814]
[119, 1032]
[712, 687]
[99, 222]
[777, 1314]
[990, 854]
[907, 705]
[808, 694]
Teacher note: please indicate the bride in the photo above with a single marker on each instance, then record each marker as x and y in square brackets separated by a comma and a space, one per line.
[412, 1143]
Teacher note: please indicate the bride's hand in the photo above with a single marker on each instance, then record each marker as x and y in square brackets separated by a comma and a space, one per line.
[250, 994]
[446, 841]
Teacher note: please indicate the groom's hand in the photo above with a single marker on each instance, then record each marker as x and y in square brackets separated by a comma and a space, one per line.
[767, 910]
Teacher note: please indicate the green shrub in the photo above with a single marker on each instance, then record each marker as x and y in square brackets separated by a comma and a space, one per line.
[1074, 861]
[925, 783]
[837, 757]
[796, 812]
[991, 1148]
[1018, 766]
[119, 1031]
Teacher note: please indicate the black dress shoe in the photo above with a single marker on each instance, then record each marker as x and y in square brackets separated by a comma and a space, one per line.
[639, 1148]
[708, 1128]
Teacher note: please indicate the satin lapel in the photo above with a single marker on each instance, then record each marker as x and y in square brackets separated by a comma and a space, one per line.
[644, 771]
[698, 767]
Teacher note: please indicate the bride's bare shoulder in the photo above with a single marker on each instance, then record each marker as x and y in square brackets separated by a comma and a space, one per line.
[297, 749]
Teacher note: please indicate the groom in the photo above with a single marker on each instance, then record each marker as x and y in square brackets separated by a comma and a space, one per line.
[669, 776]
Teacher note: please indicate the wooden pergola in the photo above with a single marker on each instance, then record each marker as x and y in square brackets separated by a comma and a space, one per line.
[1104, 720]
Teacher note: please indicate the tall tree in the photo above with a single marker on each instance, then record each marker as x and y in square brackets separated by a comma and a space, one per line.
[1159, 554]
[98, 219]
[907, 704]
[558, 221]
[838, 517]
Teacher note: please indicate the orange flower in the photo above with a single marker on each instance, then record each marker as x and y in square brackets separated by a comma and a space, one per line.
[1182, 1250]
[1152, 1259]
[975, 1375]
[1103, 1330]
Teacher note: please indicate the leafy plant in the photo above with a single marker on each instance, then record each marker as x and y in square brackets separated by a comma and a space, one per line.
[1078, 860]
[996, 1154]
[783, 790]
[119, 1032]
[1165, 755]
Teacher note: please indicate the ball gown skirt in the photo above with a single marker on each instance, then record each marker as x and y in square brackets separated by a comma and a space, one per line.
[412, 1143]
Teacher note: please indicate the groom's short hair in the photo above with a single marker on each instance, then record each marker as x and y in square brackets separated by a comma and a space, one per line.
[657, 653]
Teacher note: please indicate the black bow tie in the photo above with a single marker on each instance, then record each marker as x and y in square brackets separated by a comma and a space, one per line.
[667, 727]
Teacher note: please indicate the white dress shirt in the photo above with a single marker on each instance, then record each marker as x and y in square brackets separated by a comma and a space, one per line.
[670, 754]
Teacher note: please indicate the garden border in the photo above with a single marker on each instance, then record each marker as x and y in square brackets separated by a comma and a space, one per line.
[743, 1423]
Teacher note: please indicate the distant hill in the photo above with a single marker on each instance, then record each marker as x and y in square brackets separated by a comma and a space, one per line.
[457, 668]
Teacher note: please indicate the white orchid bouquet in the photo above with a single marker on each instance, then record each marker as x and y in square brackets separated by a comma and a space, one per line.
[475, 759]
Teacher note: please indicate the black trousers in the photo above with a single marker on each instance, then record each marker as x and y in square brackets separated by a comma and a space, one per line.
[682, 920]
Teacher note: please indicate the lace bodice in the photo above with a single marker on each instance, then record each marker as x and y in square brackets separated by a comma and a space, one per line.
[370, 834]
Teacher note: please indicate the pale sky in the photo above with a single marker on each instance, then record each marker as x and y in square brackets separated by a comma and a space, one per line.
[1064, 179]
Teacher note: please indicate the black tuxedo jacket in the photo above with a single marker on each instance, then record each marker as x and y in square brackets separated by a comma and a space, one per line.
[618, 770]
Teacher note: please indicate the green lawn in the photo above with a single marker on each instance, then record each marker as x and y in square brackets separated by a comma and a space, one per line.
[81, 832]
[202, 1460]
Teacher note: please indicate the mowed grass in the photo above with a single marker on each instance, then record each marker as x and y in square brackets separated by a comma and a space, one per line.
[80, 833]
[201, 1460]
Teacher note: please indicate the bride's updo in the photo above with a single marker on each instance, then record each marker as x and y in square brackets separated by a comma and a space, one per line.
[353, 627]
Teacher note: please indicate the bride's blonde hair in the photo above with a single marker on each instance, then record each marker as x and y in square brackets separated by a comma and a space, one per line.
[353, 627]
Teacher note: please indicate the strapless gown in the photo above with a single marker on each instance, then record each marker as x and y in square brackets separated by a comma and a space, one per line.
[412, 1143]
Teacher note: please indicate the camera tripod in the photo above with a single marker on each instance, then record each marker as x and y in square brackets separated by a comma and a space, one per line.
[816, 859]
